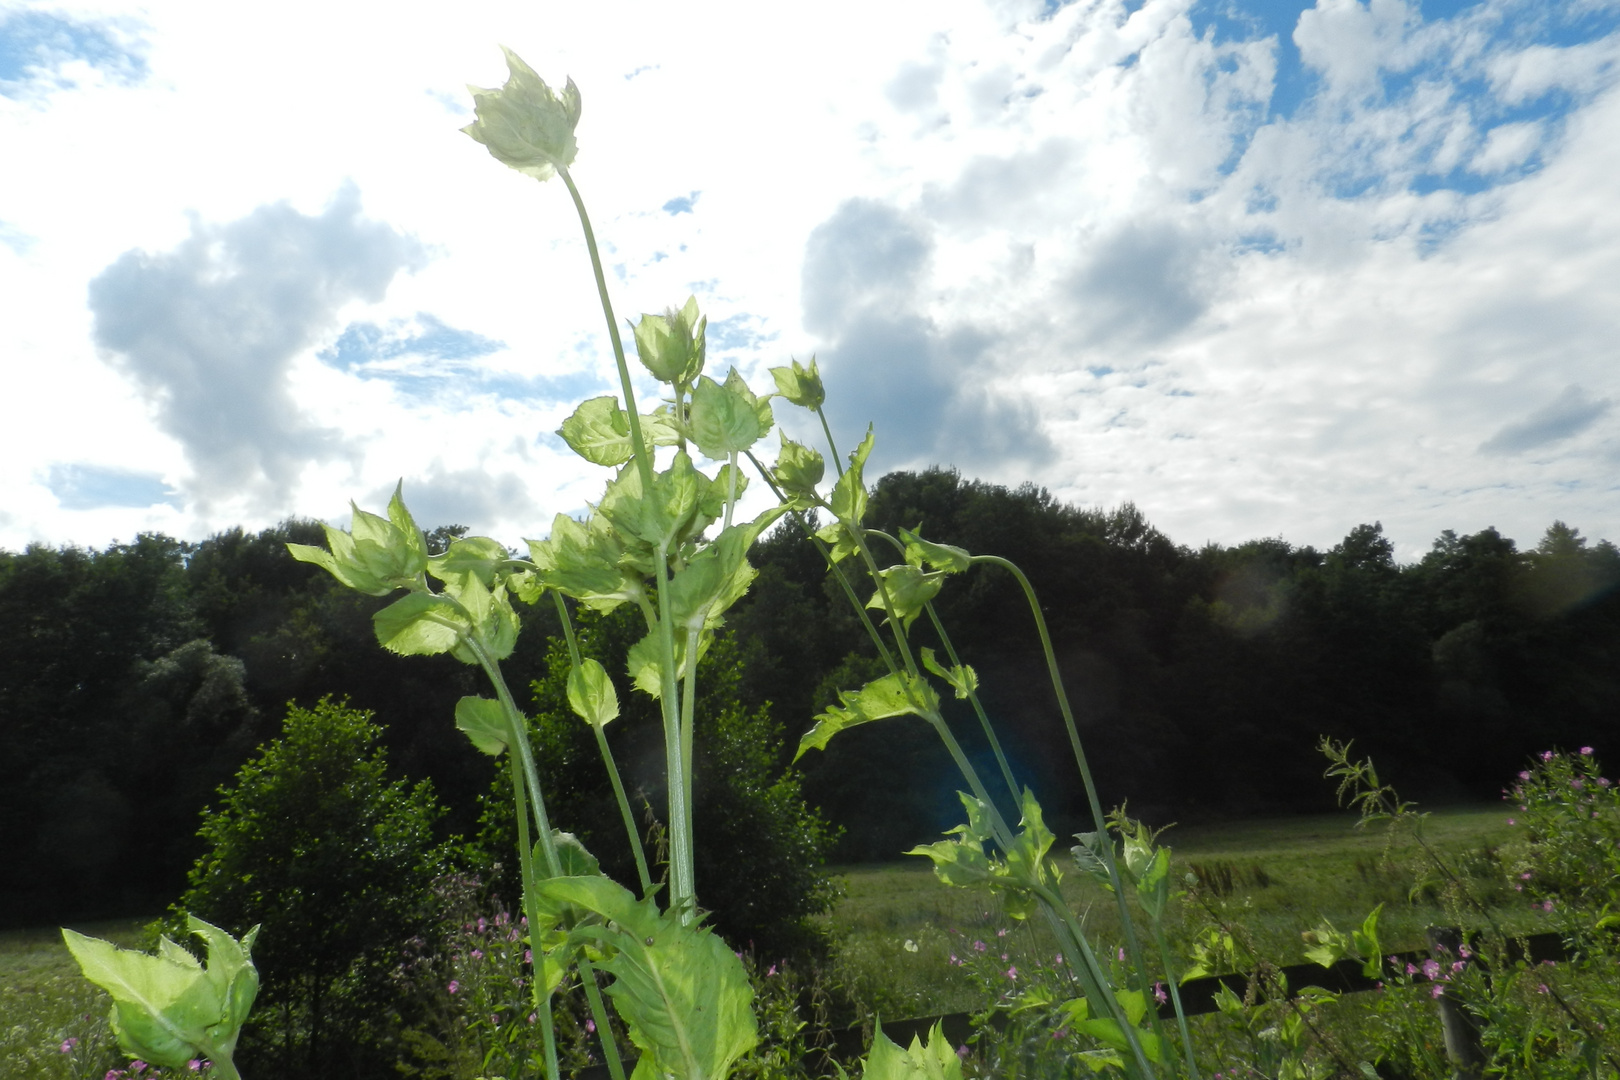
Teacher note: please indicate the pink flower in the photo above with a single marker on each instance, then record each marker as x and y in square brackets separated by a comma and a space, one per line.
[1002, 932]
[195, 1065]
[772, 971]
[1436, 990]
[1431, 969]
[478, 954]
[962, 1052]
[1603, 781]
[481, 924]
[1547, 904]
[954, 960]
[137, 1066]
[1158, 993]
[1512, 822]
[1012, 972]
[1586, 751]
[1546, 755]
[590, 1026]
[533, 1017]
[528, 956]
[1576, 783]
[1524, 775]
[978, 946]
[68, 1044]
[454, 986]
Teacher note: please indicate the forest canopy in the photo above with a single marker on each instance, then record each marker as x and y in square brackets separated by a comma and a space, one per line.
[136, 680]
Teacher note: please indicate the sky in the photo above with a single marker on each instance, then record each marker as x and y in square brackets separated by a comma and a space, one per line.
[1261, 268]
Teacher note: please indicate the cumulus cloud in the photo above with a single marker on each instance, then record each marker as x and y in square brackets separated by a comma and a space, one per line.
[888, 358]
[1572, 413]
[484, 501]
[209, 330]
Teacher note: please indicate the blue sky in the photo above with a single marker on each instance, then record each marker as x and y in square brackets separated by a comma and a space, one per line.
[1262, 268]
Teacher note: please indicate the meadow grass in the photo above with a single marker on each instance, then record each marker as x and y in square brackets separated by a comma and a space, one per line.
[45, 1003]
[897, 928]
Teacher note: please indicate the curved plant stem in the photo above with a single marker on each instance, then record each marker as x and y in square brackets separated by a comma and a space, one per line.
[1132, 943]
[636, 848]
[680, 815]
[838, 462]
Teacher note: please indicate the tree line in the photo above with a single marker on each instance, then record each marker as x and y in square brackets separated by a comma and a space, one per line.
[136, 680]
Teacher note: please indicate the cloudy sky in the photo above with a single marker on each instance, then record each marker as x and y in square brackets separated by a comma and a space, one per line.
[1260, 267]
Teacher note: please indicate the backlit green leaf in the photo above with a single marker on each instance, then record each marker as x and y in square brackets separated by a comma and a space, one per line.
[420, 624]
[898, 694]
[943, 557]
[963, 679]
[484, 721]
[800, 385]
[907, 589]
[936, 1060]
[599, 431]
[591, 694]
[797, 471]
[724, 418]
[524, 124]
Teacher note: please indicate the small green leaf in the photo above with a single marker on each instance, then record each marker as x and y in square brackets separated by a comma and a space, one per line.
[907, 589]
[797, 471]
[645, 664]
[661, 518]
[724, 418]
[599, 432]
[591, 694]
[800, 385]
[583, 561]
[477, 555]
[943, 557]
[524, 124]
[420, 624]
[484, 721]
[963, 679]
[897, 694]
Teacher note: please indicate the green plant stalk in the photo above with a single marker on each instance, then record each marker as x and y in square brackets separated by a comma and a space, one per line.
[636, 848]
[682, 887]
[826, 556]
[689, 707]
[604, 1030]
[223, 1068]
[1002, 832]
[838, 462]
[680, 814]
[973, 697]
[1171, 981]
[1093, 978]
[1133, 944]
[522, 768]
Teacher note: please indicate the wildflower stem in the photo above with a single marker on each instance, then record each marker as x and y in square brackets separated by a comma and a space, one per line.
[599, 1016]
[636, 848]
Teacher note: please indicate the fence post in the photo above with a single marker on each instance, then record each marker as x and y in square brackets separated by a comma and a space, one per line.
[1463, 1047]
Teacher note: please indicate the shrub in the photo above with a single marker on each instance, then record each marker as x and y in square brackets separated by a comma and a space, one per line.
[336, 861]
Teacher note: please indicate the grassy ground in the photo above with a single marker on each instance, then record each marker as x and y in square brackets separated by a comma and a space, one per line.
[898, 928]
[44, 1002]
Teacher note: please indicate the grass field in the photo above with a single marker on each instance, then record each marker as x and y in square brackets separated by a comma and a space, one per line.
[44, 1002]
[897, 926]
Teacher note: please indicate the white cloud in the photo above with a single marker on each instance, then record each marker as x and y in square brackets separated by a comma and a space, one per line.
[1078, 246]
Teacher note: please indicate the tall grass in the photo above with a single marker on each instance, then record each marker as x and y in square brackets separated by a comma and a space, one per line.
[897, 927]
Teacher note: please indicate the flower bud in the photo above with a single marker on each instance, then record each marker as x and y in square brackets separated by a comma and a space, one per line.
[525, 124]
[672, 345]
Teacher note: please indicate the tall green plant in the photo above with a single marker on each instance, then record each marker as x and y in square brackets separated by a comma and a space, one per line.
[664, 539]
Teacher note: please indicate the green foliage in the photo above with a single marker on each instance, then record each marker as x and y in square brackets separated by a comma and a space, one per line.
[760, 850]
[314, 842]
[169, 1009]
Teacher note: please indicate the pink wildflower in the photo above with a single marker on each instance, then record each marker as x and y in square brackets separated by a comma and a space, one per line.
[1546, 755]
[68, 1044]
[1158, 993]
[978, 946]
[1586, 751]
[1436, 990]
[590, 1025]
[771, 971]
[1431, 969]
[1012, 972]
[454, 986]
[478, 954]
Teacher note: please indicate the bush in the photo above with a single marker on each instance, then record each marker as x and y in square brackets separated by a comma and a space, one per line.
[314, 842]
[760, 850]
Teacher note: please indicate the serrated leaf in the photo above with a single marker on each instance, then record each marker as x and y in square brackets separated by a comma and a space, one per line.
[848, 502]
[800, 385]
[477, 555]
[420, 624]
[935, 1060]
[896, 694]
[644, 662]
[658, 518]
[946, 558]
[599, 431]
[583, 561]
[907, 589]
[962, 678]
[682, 992]
[723, 420]
[797, 471]
[591, 694]
[484, 722]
